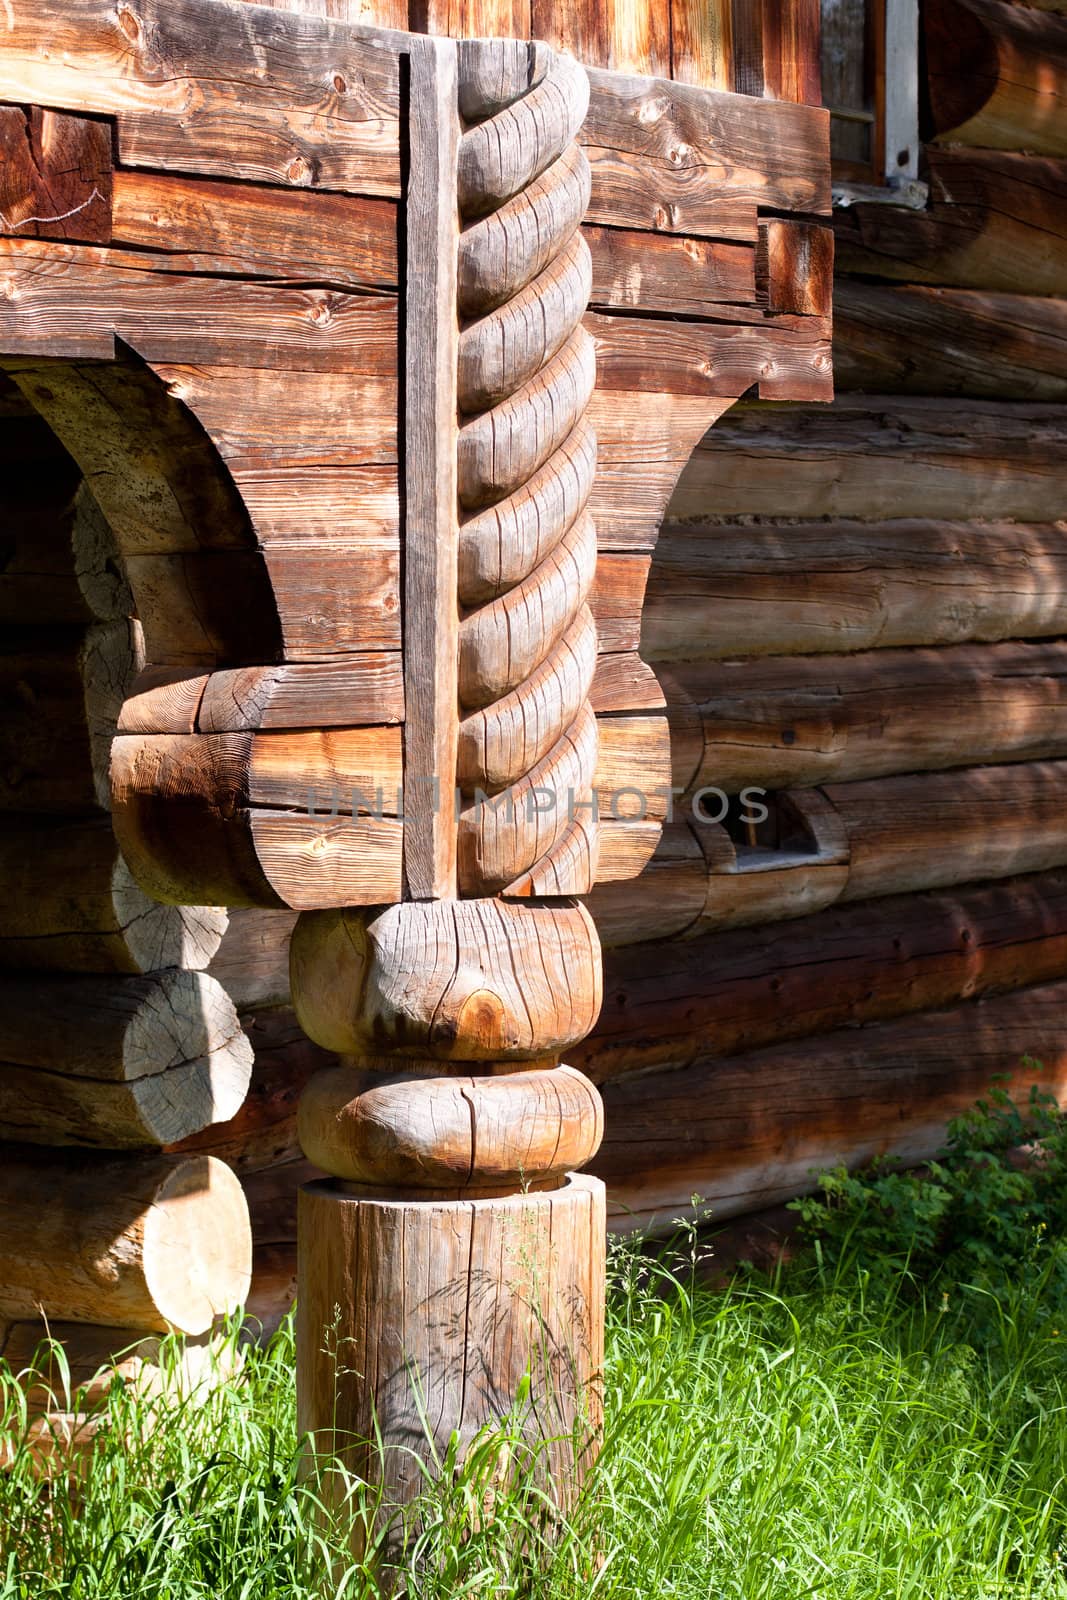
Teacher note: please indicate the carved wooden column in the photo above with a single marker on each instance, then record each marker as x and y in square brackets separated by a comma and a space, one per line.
[454, 1250]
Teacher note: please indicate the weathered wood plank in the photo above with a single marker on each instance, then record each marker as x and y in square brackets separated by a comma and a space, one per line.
[623, 35]
[702, 43]
[668, 272]
[72, 300]
[344, 240]
[795, 268]
[431, 530]
[720, 360]
[245, 92]
[643, 445]
[676, 159]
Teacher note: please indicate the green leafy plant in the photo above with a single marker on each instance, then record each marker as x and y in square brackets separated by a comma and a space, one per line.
[991, 1206]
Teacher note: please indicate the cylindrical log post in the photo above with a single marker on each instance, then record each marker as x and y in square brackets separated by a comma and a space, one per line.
[452, 1264]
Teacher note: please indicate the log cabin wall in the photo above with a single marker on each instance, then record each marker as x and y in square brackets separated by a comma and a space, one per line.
[707, 279]
[862, 609]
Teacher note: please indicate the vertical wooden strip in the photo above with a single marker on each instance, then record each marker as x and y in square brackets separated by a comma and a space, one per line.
[472, 19]
[791, 51]
[746, 27]
[702, 43]
[618, 35]
[431, 617]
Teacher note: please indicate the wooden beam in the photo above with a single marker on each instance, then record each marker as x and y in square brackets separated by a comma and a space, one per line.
[718, 590]
[431, 534]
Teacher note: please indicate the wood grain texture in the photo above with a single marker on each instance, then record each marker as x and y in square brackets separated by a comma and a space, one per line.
[994, 221]
[879, 457]
[274, 97]
[151, 1242]
[415, 1130]
[495, 980]
[996, 346]
[886, 1089]
[730, 992]
[86, 913]
[997, 75]
[216, 226]
[57, 175]
[431, 642]
[118, 1064]
[913, 833]
[488, 1293]
[669, 157]
[810, 720]
[717, 590]
[668, 272]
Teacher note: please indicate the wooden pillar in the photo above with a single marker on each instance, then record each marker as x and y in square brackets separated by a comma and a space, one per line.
[454, 1254]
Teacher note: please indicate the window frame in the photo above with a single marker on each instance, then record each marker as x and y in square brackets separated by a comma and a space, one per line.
[894, 121]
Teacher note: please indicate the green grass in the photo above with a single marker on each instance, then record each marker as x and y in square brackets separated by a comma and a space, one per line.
[823, 1437]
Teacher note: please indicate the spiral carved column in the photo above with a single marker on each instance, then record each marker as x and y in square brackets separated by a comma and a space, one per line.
[454, 1258]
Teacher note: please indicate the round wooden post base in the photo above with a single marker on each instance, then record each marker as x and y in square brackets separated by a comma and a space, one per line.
[420, 1318]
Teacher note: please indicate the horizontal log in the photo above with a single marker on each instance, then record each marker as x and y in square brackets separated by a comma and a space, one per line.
[70, 904]
[262, 1131]
[875, 837]
[795, 722]
[146, 1242]
[997, 346]
[740, 990]
[58, 563]
[956, 827]
[994, 221]
[362, 689]
[189, 819]
[879, 457]
[62, 691]
[997, 75]
[721, 590]
[118, 1063]
[746, 1131]
[89, 1358]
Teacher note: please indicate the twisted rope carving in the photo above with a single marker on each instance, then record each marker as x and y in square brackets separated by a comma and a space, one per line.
[526, 459]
